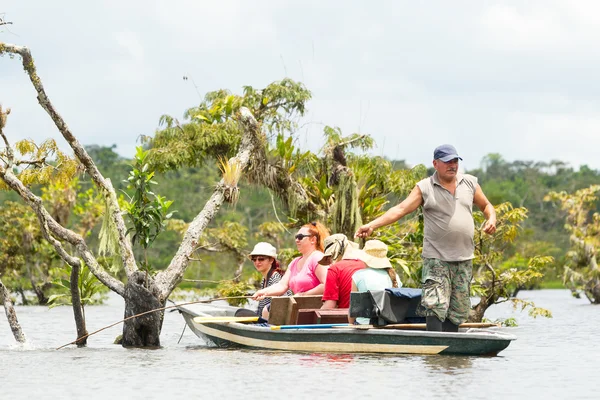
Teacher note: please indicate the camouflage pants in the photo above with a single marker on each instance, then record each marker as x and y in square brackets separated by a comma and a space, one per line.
[446, 290]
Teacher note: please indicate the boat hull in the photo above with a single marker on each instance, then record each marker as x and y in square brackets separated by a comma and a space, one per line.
[349, 339]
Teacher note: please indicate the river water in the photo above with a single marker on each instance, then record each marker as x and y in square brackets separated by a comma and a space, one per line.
[553, 358]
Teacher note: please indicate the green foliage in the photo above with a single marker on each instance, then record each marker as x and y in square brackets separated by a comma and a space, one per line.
[45, 164]
[230, 236]
[498, 276]
[233, 289]
[20, 236]
[581, 271]
[508, 322]
[146, 211]
[345, 214]
[533, 311]
[231, 171]
[26, 259]
[92, 292]
[211, 129]
[29, 262]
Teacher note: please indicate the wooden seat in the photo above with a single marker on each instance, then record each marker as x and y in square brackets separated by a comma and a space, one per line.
[284, 310]
[322, 316]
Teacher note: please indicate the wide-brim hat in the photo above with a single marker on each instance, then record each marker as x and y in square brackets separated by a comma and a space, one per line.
[263, 249]
[375, 254]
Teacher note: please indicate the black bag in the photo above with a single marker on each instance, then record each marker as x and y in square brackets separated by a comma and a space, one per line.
[389, 306]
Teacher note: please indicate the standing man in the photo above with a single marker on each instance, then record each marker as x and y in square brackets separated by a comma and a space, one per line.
[447, 198]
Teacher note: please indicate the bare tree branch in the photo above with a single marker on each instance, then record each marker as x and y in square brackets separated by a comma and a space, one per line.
[3, 21]
[31, 162]
[9, 152]
[79, 151]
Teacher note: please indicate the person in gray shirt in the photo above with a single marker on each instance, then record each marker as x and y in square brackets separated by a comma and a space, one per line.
[447, 198]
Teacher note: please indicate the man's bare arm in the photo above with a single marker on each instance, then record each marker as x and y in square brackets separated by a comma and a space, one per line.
[410, 204]
[488, 210]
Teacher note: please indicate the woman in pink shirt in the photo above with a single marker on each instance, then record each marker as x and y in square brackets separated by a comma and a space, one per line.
[305, 276]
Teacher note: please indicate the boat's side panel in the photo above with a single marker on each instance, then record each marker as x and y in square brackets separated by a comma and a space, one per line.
[271, 342]
[349, 340]
[335, 340]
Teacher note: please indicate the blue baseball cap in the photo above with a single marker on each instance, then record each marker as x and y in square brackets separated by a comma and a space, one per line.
[445, 153]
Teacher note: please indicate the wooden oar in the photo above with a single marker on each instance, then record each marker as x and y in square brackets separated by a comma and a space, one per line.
[204, 320]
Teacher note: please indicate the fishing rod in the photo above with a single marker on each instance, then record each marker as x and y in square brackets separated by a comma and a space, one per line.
[151, 311]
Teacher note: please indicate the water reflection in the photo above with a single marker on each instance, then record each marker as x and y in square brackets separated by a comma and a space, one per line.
[451, 365]
[321, 358]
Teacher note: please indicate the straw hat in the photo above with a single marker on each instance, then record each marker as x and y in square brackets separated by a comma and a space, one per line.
[263, 249]
[376, 254]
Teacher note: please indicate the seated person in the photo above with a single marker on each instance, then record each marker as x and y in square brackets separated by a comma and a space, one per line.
[379, 275]
[345, 260]
[304, 275]
[264, 257]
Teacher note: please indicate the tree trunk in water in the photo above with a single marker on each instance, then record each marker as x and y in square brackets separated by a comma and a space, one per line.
[593, 291]
[77, 307]
[23, 298]
[39, 292]
[11, 315]
[477, 312]
[141, 295]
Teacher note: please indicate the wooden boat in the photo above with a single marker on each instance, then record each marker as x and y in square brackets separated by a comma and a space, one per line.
[218, 325]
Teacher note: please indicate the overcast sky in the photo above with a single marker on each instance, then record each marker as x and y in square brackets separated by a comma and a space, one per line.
[515, 78]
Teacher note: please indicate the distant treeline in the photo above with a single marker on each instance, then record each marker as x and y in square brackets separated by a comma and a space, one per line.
[523, 183]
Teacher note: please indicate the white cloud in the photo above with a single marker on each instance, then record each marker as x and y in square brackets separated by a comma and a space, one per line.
[507, 77]
[523, 28]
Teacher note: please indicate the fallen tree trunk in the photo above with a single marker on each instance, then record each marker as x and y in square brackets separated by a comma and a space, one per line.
[11, 315]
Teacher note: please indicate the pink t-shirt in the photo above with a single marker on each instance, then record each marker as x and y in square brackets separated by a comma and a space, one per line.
[305, 279]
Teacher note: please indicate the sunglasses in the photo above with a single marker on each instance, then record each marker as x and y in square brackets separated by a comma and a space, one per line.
[301, 236]
[259, 259]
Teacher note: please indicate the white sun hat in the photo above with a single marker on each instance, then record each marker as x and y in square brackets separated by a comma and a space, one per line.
[263, 249]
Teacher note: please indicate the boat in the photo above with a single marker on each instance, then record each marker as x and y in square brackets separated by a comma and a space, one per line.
[220, 326]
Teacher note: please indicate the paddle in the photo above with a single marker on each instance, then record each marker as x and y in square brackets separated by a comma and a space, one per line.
[204, 320]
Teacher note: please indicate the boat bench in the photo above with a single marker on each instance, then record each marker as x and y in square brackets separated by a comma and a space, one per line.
[284, 310]
[308, 316]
